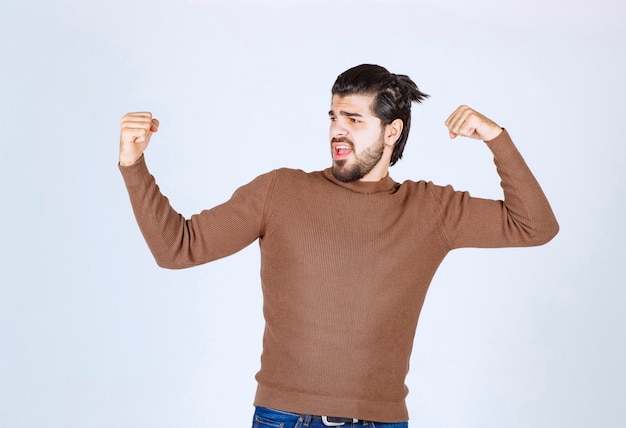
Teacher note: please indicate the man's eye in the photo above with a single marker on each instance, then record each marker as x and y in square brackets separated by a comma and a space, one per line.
[332, 118]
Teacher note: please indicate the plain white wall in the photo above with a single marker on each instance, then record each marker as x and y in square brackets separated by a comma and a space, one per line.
[94, 334]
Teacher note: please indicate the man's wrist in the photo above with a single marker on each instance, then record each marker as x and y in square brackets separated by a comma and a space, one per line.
[128, 162]
[492, 135]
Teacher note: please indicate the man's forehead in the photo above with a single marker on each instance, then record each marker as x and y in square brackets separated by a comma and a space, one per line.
[353, 103]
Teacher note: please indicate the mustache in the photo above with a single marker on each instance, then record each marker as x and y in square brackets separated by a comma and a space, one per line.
[341, 140]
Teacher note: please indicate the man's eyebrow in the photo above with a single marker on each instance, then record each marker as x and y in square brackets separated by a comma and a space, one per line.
[345, 113]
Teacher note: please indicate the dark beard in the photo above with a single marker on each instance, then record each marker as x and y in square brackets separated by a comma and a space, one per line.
[363, 165]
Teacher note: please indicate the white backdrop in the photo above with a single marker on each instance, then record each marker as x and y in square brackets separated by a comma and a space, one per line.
[94, 334]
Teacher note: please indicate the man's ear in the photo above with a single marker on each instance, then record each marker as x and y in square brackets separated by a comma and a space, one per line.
[393, 131]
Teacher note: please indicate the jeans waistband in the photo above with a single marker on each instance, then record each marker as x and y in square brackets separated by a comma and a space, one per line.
[270, 418]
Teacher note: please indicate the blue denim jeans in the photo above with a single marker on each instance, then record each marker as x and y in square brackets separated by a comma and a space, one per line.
[268, 418]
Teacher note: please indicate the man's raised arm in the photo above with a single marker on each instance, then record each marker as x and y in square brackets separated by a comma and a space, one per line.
[523, 218]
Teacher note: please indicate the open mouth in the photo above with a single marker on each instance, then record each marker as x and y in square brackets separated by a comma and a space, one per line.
[341, 150]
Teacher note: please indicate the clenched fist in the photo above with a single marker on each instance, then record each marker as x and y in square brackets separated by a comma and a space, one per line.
[136, 130]
[467, 122]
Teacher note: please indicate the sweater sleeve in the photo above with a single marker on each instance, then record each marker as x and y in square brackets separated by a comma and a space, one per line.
[176, 242]
[523, 218]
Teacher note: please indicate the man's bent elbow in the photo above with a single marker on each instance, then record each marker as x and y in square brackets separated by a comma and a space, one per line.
[168, 260]
[546, 233]
[168, 264]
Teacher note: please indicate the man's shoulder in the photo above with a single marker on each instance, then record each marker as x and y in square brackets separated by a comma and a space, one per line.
[297, 174]
[284, 173]
[285, 178]
[413, 185]
[424, 188]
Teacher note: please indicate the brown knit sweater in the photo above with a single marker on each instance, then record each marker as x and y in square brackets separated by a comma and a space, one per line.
[344, 269]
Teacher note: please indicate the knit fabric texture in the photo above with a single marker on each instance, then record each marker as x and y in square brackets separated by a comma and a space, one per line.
[345, 268]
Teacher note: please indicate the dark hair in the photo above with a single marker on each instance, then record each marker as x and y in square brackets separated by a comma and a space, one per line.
[394, 94]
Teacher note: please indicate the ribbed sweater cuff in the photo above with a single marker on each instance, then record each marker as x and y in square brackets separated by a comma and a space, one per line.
[133, 174]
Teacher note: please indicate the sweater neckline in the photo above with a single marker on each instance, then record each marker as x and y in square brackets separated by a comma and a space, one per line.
[384, 185]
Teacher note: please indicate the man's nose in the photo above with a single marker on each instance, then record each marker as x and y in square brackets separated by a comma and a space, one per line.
[337, 129]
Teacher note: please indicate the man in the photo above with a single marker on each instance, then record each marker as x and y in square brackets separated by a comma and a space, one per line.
[347, 254]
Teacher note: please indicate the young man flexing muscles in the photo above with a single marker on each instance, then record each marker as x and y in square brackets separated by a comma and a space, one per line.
[347, 254]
